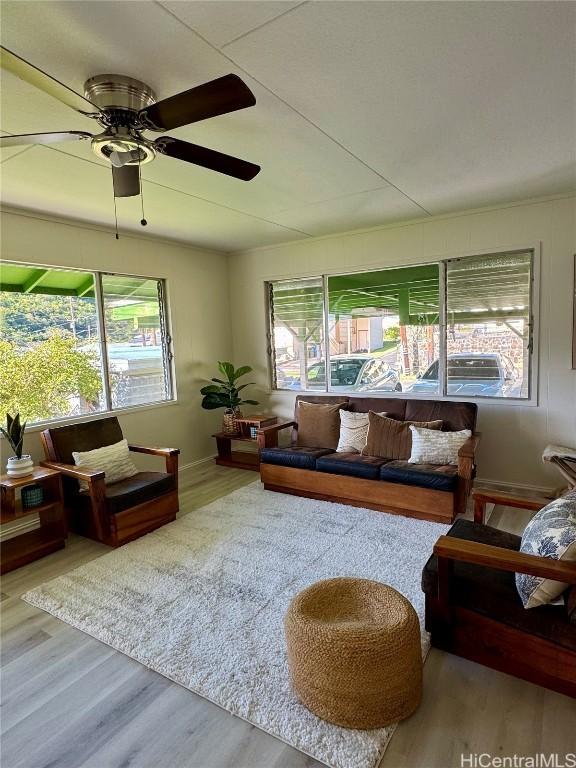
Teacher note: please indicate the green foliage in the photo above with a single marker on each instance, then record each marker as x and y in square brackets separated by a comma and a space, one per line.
[14, 433]
[392, 333]
[39, 380]
[224, 393]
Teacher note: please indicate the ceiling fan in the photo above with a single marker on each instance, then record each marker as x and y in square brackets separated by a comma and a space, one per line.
[125, 108]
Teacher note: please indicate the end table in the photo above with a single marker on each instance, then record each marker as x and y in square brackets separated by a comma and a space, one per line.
[50, 536]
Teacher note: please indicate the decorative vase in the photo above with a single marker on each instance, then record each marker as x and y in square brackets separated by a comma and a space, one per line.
[16, 467]
[229, 423]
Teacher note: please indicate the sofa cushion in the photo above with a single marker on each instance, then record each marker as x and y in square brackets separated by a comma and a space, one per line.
[454, 415]
[492, 593]
[353, 464]
[296, 456]
[439, 477]
[391, 439]
[319, 424]
[144, 486]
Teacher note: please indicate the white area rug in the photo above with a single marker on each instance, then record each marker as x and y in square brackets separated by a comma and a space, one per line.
[202, 601]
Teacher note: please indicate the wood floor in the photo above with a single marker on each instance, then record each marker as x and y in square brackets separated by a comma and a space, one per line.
[69, 701]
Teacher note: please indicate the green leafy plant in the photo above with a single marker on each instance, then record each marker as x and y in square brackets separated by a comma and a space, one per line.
[14, 433]
[226, 393]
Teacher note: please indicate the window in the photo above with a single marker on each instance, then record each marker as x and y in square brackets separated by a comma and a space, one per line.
[460, 327]
[297, 330]
[75, 343]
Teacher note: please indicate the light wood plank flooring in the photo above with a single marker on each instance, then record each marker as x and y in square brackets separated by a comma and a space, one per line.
[69, 701]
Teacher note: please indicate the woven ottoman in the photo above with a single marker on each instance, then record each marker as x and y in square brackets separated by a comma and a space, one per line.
[354, 652]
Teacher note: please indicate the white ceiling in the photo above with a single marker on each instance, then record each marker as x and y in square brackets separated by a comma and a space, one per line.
[367, 112]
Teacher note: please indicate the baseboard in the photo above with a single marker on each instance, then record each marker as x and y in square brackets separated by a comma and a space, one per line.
[194, 464]
[500, 485]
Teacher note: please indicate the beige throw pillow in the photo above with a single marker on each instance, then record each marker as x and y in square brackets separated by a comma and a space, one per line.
[113, 459]
[391, 439]
[432, 447]
[353, 431]
[318, 425]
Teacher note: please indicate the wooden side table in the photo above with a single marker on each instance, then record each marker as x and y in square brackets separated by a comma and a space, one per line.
[247, 434]
[27, 547]
[483, 496]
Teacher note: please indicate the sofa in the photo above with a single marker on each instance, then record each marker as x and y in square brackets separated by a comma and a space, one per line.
[426, 491]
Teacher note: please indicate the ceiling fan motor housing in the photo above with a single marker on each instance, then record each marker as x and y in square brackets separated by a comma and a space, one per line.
[121, 98]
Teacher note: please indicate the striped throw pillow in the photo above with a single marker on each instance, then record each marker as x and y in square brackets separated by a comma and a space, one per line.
[114, 460]
[432, 447]
[353, 431]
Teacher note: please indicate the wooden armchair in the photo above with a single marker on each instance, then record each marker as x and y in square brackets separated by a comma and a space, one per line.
[473, 609]
[119, 512]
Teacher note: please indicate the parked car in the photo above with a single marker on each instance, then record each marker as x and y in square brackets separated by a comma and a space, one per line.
[358, 373]
[476, 374]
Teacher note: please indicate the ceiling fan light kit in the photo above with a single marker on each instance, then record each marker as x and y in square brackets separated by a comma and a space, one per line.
[125, 108]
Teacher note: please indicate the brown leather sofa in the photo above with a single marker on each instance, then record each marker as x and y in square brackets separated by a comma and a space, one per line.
[429, 492]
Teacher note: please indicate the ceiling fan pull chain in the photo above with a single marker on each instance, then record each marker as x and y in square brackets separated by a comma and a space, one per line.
[116, 218]
[142, 220]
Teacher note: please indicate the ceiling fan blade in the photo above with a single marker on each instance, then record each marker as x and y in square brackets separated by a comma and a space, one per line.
[126, 181]
[207, 158]
[225, 94]
[42, 138]
[36, 77]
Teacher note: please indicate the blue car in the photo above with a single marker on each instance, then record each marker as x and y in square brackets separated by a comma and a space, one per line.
[476, 375]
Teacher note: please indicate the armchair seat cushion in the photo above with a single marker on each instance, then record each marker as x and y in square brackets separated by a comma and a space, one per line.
[492, 592]
[141, 487]
[439, 477]
[353, 464]
[297, 456]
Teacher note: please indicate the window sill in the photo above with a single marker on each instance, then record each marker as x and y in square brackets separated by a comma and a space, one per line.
[38, 426]
[499, 401]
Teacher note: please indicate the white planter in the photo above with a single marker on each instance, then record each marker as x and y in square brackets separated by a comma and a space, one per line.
[19, 467]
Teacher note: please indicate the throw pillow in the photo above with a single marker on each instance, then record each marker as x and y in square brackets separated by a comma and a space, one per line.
[318, 425]
[114, 460]
[433, 447]
[550, 533]
[353, 431]
[392, 439]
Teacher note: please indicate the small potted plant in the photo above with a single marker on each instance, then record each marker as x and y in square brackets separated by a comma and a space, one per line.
[226, 394]
[18, 465]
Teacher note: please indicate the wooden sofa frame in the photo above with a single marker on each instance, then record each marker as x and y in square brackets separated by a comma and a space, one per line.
[490, 642]
[423, 503]
[117, 529]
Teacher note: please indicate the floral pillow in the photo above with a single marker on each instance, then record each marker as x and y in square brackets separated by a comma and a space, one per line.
[550, 533]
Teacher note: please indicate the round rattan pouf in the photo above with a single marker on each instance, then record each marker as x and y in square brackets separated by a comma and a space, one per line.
[354, 652]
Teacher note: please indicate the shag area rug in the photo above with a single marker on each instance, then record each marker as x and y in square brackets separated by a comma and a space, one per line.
[202, 601]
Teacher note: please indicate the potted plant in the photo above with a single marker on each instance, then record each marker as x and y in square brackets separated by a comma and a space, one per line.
[226, 394]
[18, 465]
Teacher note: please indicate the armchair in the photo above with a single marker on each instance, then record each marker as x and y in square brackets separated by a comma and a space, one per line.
[119, 512]
[473, 609]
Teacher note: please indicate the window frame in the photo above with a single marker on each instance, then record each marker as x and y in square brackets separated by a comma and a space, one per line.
[534, 248]
[167, 347]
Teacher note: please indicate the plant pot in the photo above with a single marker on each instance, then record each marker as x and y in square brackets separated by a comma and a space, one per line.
[229, 423]
[19, 467]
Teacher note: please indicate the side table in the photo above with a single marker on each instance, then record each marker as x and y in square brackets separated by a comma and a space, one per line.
[50, 536]
[247, 433]
[483, 496]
